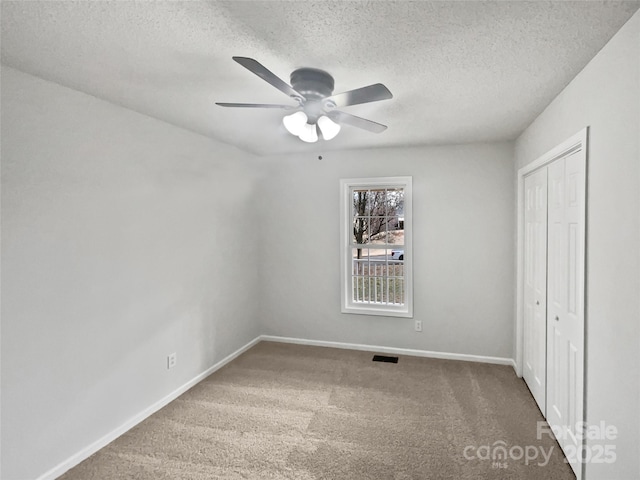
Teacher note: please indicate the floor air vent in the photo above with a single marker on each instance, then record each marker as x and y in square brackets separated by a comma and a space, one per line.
[384, 358]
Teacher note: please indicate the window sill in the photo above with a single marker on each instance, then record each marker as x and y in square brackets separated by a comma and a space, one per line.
[383, 312]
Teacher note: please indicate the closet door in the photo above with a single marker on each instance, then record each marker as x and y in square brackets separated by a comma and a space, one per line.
[535, 285]
[565, 296]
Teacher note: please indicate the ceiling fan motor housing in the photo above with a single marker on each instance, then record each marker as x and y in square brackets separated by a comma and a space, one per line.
[313, 83]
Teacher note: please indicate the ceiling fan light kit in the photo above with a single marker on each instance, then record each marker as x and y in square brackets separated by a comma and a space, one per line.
[298, 124]
[328, 127]
[295, 122]
[317, 106]
[308, 133]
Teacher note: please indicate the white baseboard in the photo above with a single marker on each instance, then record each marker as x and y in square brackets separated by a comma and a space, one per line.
[394, 350]
[147, 412]
[86, 452]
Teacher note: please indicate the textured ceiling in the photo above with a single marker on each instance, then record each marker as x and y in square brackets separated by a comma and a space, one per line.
[460, 72]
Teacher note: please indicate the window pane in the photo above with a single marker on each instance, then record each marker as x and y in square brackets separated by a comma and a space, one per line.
[395, 235]
[360, 254]
[375, 202]
[394, 224]
[395, 196]
[360, 230]
[378, 229]
[395, 257]
[359, 202]
[377, 285]
[357, 291]
[395, 289]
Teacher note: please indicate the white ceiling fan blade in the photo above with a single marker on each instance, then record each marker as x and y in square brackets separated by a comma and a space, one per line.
[256, 105]
[372, 93]
[260, 70]
[348, 119]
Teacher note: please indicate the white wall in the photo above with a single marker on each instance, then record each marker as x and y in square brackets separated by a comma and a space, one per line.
[123, 239]
[463, 248]
[606, 97]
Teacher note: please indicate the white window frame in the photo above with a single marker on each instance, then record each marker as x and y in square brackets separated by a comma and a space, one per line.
[346, 256]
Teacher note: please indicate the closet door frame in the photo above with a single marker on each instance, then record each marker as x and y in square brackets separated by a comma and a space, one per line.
[576, 143]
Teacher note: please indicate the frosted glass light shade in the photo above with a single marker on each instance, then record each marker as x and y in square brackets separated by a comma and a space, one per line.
[295, 123]
[308, 133]
[328, 127]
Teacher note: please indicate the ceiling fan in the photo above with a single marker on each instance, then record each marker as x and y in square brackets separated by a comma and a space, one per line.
[316, 107]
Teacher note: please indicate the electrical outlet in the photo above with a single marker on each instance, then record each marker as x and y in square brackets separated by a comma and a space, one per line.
[172, 359]
[418, 325]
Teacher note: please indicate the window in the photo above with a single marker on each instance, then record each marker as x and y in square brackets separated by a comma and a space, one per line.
[376, 246]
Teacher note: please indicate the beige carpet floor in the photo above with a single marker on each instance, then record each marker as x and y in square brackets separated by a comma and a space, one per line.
[283, 411]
